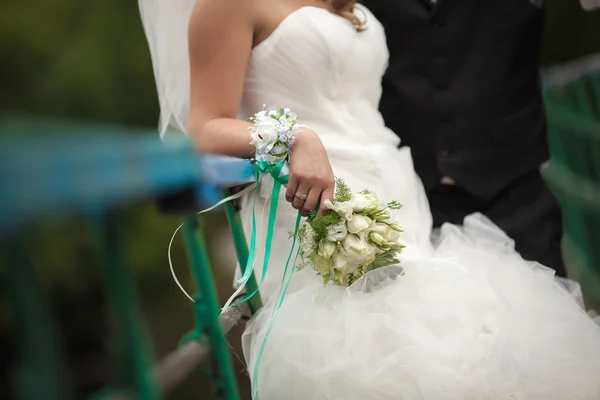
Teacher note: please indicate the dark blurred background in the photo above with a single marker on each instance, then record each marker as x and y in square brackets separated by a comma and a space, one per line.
[89, 61]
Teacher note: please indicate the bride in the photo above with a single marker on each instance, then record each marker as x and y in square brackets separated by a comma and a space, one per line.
[466, 318]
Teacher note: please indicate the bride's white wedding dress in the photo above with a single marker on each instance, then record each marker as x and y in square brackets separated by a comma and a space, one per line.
[468, 319]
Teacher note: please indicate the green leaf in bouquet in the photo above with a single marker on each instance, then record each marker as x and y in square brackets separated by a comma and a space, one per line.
[339, 276]
[394, 205]
[385, 259]
[321, 225]
[301, 265]
[359, 273]
[342, 191]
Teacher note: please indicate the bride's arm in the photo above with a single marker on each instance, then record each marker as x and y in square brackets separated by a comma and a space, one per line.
[221, 34]
[220, 42]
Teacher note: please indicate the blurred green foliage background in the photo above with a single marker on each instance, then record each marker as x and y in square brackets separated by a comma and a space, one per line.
[89, 61]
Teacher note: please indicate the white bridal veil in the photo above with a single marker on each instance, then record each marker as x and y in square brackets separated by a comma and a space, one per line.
[166, 26]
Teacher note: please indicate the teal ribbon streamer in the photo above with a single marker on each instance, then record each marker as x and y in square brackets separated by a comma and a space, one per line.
[281, 296]
[276, 309]
[252, 248]
[275, 171]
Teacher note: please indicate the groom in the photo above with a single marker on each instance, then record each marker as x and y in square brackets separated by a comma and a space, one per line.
[463, 92]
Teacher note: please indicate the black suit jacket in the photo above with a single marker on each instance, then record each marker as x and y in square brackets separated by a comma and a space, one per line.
[463, 89]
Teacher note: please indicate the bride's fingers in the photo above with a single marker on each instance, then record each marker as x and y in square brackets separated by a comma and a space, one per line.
[326, 194]
[299, 198]
[291, 189]
[311, 201]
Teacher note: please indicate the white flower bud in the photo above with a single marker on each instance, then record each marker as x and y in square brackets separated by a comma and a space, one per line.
[377, 238]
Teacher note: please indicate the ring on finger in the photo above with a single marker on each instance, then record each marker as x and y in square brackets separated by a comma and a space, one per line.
[301, 197]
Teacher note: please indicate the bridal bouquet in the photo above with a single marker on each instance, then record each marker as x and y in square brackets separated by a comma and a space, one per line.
[358, 235]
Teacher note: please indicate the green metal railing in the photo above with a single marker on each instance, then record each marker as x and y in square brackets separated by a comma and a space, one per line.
[44, 172]
[573, 106]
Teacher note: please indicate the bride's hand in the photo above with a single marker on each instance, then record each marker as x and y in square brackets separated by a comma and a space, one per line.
[311, 177]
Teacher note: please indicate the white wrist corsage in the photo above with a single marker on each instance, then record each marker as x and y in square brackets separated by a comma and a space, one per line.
[273, 134]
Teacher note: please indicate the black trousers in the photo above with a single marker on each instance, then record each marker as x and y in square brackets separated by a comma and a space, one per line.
[525, 210]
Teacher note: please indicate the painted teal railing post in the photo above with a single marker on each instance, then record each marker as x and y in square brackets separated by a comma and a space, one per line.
[206, 310]
[40, 370]
[573, 174]
[132, 352]
[241, 250]
[69, 173]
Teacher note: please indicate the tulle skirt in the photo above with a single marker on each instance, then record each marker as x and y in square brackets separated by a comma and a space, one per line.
[470, 321]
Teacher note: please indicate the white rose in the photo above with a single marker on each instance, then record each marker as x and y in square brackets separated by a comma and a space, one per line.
[265, 135]
[374, 204]
[370, 254]
[358, 223]
[389, 234]
[337, 232]
[355, 248]
[340, 260]
[326, 249]
[342, 208]
[359, 202]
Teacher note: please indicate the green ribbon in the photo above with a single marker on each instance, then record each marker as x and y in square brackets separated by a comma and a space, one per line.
[280, 177]
[285, 283]
[276, 308]
[282, 292]
[275, 170]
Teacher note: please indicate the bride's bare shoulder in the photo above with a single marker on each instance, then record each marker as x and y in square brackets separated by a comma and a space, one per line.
[226, 14]
[212, 19]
